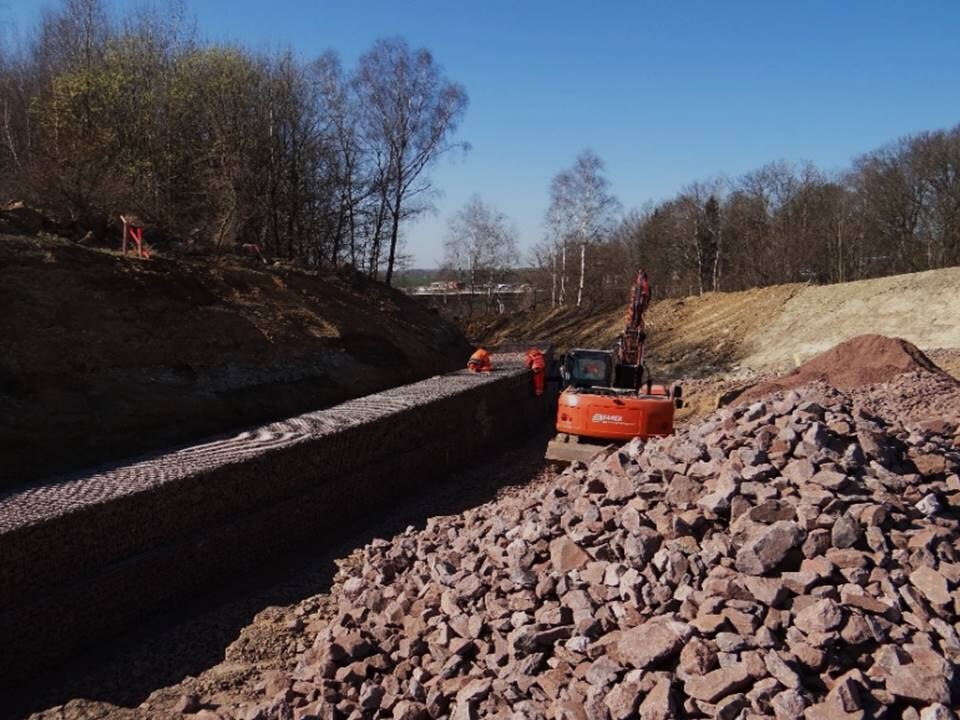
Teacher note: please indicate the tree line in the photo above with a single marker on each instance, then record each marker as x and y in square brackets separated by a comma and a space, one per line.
[896, 209]
[219, 146]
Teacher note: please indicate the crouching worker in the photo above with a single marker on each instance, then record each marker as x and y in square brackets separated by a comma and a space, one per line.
[537, 366]
[480, 361]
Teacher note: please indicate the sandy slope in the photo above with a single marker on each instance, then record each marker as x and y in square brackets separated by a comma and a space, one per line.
[764, 328]
[923, 308]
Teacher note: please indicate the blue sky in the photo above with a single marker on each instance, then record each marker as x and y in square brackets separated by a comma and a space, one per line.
[665, 92]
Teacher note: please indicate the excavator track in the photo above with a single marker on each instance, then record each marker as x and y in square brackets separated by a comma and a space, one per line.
[568, 448]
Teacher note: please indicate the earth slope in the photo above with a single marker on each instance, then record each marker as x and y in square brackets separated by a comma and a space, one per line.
[104, 357]
[763, 329]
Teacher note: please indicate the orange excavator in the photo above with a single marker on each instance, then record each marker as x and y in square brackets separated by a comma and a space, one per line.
[608, 397]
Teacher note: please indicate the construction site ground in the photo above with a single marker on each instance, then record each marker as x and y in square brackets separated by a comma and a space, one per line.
[225, 641]
[223, 647]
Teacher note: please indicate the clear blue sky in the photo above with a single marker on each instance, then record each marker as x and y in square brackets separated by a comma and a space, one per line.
[665, 92]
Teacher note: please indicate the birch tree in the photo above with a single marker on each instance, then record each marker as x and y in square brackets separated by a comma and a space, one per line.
[481, 243]
[582, 211]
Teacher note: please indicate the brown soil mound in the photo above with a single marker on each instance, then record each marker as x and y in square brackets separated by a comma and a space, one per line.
[863, 360]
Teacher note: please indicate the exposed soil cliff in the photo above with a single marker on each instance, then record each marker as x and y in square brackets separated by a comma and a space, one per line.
[103, 357]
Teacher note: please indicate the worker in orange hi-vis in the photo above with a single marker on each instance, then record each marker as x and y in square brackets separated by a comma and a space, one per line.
[480, 361]
[537, 366]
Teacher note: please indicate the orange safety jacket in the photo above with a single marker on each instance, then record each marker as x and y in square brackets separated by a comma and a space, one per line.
[535, 360]
[537, 366]
[480, 361]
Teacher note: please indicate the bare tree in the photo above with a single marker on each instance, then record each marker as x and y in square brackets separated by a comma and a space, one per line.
[698, 214]
[553, 252]
[543, 260]
[410, 112]
[353, 186]
[481, 243]
[582, 208]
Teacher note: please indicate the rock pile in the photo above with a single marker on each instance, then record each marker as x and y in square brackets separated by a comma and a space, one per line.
[931, 399]
[794, 557]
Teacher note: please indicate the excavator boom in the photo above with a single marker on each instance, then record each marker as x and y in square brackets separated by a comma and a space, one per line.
[629, 347]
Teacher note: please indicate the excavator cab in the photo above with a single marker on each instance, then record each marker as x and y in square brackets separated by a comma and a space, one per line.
[588, 369]
[599, 369]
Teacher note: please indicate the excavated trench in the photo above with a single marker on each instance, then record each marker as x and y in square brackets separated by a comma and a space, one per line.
[239, 621]
[104, 574]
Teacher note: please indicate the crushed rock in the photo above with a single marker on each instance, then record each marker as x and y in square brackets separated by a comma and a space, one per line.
[775, 560]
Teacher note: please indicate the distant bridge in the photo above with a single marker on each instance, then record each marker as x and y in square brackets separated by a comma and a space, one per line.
[460, 304]
[434, 290]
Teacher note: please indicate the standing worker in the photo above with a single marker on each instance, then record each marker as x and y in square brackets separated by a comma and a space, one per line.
[480, 361]
[537, 366]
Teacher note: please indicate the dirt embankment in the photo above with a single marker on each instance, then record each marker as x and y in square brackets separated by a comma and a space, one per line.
[764, 329]
[104, 357]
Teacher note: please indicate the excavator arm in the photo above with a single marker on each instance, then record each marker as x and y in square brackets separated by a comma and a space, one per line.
[639, 301]
[629, 348]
